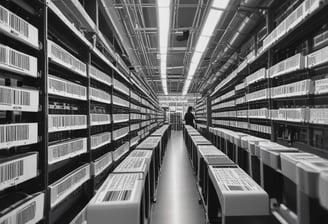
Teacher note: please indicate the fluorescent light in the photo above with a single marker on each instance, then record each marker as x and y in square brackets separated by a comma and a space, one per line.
[163, 3]
[221, 4]
[196, 58]
[202, 43]
[163, 17]
[211, 22]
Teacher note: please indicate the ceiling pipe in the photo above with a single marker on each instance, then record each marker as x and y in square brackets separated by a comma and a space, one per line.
[110, 12]
[236, 32]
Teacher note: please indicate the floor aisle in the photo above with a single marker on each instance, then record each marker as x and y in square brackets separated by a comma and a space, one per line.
[177, 196]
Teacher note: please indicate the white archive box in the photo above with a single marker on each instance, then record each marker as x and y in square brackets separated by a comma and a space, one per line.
[289, 162]
[133, 165]
[237, 136]
[28, 210]
[119, 200]
[19, 99]
[18, 62]
[17, 169]
[121, 151]
[18, 134]
[307, 176]
[63, 187]
[268, 144]
[16, 27]
[235, 190]
[139, 153]
[270, 155]
[323, 189]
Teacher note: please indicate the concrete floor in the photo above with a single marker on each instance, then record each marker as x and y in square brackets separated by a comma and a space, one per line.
[177, 195]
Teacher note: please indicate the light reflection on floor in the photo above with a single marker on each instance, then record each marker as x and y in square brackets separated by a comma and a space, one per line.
[177, 196]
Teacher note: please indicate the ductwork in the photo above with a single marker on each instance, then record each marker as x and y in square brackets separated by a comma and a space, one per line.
[237, 31]
[109, 9]
[111, 13]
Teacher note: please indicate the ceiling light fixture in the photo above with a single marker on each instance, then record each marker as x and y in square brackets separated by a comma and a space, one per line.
[213, 17]
[163, 18]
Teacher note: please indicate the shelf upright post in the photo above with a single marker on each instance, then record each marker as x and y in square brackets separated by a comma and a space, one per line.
[88, 63]
[130, 108]
[269, 25]
[43, 124]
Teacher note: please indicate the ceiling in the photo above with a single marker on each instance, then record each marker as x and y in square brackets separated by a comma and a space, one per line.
[140, 17]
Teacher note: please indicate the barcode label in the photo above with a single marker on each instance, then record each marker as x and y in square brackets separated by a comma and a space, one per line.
[118, 196]
[318, 57]
[30, 211]
[131, 164]
[117, 118]
[100, 140]
[121, 87]
[120, 151]
[321, 86]
[16, 171]
[4, 14]
[19, 99]
[234, 179]
[18, 134]
[100, 76]
[18, 28]
[62, 188]
[27, 214]
[66, 88]
[62, 57]
[295, 17]
[319, 115]
[141, 153]
[66, 150]
[125, 182]
[11, 171]
[19, 60]
[66, 122]
[18, 24]
[102, 163]
[120, 102]
[100, 119]
[100, 96]
[120, 133]
[16, 61]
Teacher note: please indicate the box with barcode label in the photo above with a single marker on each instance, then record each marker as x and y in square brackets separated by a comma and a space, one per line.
[16, 27]
[19, 134]
[19, 99]
[60, 189]
[133, 165]
[235, 190]
[60, 56]
[17, 169]
[101, 164]
[68, 149]
[100, 76]
[121, 151]
[27, 210]
[18, 62]
[119, 200]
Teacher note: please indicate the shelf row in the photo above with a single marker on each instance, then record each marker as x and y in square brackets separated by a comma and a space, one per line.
[303, 115]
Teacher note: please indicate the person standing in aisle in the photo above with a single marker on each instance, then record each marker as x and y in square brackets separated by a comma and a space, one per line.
[189, 118]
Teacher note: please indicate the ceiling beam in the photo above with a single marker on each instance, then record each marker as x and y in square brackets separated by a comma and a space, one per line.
[152, 5]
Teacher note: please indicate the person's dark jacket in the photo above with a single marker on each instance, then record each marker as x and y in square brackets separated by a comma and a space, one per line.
[189, 118]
